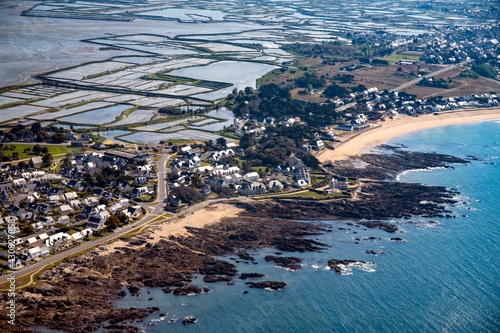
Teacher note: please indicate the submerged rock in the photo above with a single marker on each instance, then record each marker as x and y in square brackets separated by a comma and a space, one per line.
[244, 276]
[291, 263]
[341, 266]
[380, 225]
[188, 290]
[189, 320]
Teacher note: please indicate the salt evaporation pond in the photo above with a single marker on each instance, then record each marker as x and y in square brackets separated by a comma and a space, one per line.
[111, 135]
[98, 116]
[221, 113]
[155, 137]
[241, 74]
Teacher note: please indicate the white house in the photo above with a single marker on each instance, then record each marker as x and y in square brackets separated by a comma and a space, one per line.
[64, 209]
[86, 232]
[140, 191]
[77, 237]
[70, 196]
[275, 185]
[63, 219]
[37, 226]
[252, 188]
[251, 176]
[339, 183]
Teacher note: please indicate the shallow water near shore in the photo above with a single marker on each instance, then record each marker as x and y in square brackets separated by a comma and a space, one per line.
[444, 278]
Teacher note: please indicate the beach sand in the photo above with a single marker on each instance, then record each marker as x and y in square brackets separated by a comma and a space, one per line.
[198, 219]
[402, 124]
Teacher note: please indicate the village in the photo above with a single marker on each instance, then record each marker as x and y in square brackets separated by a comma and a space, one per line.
[63, 185]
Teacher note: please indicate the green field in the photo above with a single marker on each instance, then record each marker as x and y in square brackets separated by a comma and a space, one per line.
[394, 58]
[53, 149]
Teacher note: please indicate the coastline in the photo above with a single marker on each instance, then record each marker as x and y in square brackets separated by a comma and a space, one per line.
[177, 227]
[400, 125]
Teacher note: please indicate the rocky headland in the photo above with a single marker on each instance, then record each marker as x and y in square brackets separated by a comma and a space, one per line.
[79, 294]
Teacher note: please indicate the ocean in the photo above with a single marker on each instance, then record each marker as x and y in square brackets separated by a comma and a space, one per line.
[444, 278]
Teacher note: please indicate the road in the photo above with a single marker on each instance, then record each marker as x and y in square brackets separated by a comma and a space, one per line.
[415, 81]
[162, 195]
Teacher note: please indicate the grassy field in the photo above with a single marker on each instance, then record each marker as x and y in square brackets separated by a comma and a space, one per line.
[313, 194]
[20, 148]
[397, 57]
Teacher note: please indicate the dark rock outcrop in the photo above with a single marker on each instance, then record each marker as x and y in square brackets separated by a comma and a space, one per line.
[244, 276]
[274, 285]
[291, 263]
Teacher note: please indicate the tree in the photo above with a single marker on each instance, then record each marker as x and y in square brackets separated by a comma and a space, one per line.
[28, 229]
[221, 141]
[37, 149]
[67, 162]
[45, 149]
[47, 158]
[15, 155]
[122, 217]
[112, 222]
[59, 137]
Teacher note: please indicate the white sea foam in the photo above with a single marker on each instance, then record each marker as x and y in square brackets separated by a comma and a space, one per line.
[398, 177]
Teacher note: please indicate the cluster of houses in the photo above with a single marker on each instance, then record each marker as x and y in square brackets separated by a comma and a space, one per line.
[43, 200]
[464, 44]
[219, 174]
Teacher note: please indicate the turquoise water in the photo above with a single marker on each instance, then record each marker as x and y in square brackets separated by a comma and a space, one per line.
[445, 278]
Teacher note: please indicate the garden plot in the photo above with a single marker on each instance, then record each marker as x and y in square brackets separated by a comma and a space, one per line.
[4, 100]
[138, 116]
[64, 113]
[98, 116]
[155, 137]
[83, 71]
[18, 112]
[221, 47]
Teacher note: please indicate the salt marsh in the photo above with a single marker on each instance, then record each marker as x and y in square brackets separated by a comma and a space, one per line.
[240, 73]
[155, 137]
[98, 116]
[18, 112]
[64, 113]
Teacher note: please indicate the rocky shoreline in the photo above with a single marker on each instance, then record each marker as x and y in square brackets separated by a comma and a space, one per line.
[79, 294]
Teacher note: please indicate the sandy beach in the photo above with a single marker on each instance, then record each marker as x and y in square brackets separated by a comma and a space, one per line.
[202, 217]
[402, 124]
